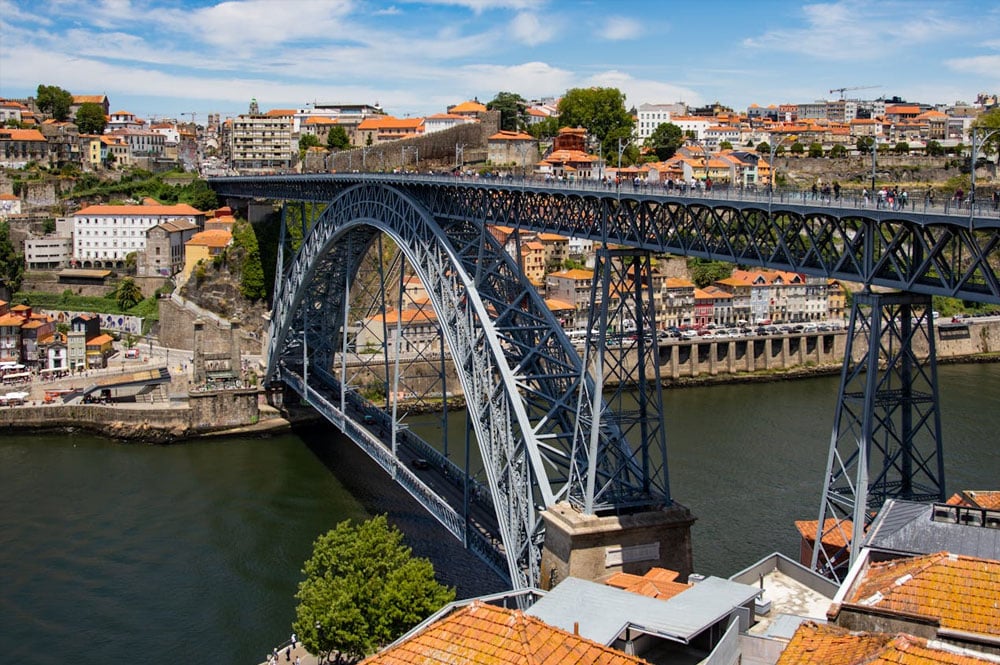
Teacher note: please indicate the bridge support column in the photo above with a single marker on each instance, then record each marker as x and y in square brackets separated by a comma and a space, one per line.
[675, 353]
[593, 547]
[886, 440]
[713, 354]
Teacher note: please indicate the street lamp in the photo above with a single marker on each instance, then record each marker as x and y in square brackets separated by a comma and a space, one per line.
[972, 170]
[460, 156]
[621, 149]
[770, 184]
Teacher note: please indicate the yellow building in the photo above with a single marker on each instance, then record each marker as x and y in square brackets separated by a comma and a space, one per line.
[204, 246]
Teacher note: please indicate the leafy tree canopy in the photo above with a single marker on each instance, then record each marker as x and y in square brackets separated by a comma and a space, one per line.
[987, 121]
[128, 294]
[865, 143]
[797, 148]
[252, 285]
[337, 139]
[665, 140]
[838, 151]
[764, 148]
[308, 141]
[513, 110]
[545, 129]
[90, 118]
[11, 263]
[363, 589]
[601, 111]
[725, 145]
[704, 272]
[54, 100]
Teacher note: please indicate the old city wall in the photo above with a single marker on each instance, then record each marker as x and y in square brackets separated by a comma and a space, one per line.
[223, 409]
[177, 330]
[436, 148]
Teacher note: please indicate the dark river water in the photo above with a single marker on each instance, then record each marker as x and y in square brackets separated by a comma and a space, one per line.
[113, 553]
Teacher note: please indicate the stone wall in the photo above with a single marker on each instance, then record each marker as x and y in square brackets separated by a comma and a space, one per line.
[223, 408]
[436, 150]
[177, 330]
[38, 194]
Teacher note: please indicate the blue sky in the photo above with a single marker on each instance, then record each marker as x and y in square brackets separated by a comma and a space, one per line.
[415, 57]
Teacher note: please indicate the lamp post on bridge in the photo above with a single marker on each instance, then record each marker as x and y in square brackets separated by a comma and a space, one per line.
[460, 156]
[770, 184]
[416, 157]
[973, 155]
[618, 176]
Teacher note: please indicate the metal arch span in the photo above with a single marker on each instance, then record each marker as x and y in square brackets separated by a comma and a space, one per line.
[933, 254]
[520, 374]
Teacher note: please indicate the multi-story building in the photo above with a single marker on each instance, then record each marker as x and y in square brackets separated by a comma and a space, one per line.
[652, 116]
[204, 246]
[262, 142]
[513, 148]
[38, 327]
[571, 286]
[104, 235]
[10, 337]
[47, 252]
[83, 327]
[20, 146]
[164, 252]
[677, 298]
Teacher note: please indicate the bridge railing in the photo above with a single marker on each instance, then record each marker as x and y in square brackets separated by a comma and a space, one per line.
[477, 538]
[917, 201]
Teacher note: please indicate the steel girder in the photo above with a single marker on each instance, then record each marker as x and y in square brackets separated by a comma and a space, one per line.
[920, 253]
[519, 372]
[886, 441]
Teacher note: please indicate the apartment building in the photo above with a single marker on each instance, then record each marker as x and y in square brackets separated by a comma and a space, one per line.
[262, 142]
[103, 235]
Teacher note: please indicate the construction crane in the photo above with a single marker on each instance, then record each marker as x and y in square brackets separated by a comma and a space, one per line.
[857, 87]
[194, 116]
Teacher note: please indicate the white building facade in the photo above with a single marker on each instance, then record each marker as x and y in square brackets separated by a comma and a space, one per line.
[104, 235]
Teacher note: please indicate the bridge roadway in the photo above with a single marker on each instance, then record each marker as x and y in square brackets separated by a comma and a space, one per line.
[431, 478]
[937, 250]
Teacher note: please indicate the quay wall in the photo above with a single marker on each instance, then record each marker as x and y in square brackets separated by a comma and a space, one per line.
[205, 412]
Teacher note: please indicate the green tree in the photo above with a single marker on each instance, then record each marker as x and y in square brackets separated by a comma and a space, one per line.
[49, 226]
[90, 118]
[865, 143]
[665, 140]
[725, 145]
[251, 271]
[54, 100]
[987, 121]
[512, 108]
[363, 589]
[934, 149]
[838, 151]
[128, 294]
[337, 139]
[902, 148]
[546, 128]
[307, 141]
[764, 148]
[11, 263]
[704, 272]
[797, 148]
[602, 112]
[199, 195]
[815, 149]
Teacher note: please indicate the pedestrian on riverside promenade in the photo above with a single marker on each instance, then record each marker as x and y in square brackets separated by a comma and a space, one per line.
[288, 653]
[293, 640]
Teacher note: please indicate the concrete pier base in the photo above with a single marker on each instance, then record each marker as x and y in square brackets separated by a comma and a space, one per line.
[592, 547]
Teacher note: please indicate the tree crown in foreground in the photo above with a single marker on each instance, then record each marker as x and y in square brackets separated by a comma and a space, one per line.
[363, 589]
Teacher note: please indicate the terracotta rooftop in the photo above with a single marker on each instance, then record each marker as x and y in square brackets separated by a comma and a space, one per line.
[21, 134]
[468, 107]
[156, 210]
[989, 499]
[832, 536]
[959, 592]
[212, 238]
[656, 583]
[481, 634]
[814, 644]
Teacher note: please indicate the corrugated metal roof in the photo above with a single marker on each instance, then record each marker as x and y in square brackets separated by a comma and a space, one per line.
[603, 612]
[907, 527]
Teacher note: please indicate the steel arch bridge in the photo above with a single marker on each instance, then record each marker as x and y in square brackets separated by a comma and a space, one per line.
[529, 398]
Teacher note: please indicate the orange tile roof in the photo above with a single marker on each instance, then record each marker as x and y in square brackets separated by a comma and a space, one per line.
[213, 238]
[507, 135]
[815, 644]
[280, 113]
[677, 283]
[555, 305]
[832, 536]
[11, 320]
[21, 134]
[144, 210]
[320, 120]
[481, 634]
[100, 340]
[574, 273]
[468, 107]
[407, 316]
[656, 583]
[93, 99]
[989, 499]
[960, 592]
[9, 197]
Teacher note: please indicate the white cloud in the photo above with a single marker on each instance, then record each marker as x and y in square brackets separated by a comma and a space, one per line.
[980, 65]
[480, 6]
[854, 30]
[642, 91]
[529, 79]
[618, 28]
[529, 29]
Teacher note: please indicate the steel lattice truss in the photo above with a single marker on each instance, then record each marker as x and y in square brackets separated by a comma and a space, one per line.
[886, 441]
[519, 372]
[920, 253]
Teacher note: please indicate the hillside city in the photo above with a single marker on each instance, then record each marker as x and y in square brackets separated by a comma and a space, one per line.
[103, 215]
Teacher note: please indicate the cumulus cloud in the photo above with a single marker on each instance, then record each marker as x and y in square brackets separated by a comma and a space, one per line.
[980, 65]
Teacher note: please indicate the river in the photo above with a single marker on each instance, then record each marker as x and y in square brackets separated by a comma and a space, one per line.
[191, 553]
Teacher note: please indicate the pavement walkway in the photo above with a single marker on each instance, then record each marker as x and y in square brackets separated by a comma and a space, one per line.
[289, 658]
